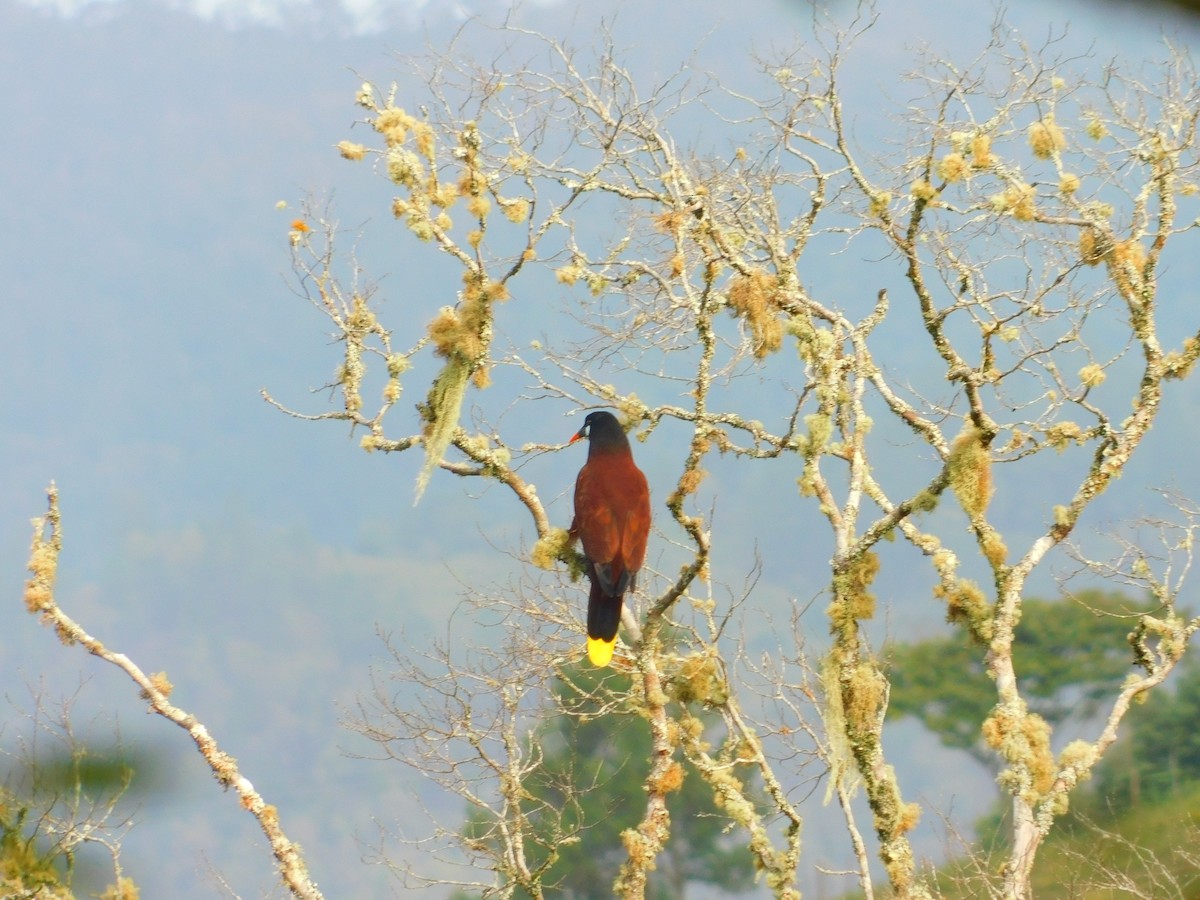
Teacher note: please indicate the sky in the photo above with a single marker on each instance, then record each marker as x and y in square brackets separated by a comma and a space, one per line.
[147, 301]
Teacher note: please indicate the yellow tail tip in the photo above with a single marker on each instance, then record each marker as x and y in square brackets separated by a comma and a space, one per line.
[600, 652]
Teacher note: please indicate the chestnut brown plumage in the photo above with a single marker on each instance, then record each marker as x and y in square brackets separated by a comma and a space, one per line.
[612, 521]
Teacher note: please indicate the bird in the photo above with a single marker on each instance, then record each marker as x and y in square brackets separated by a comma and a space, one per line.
[612, 521]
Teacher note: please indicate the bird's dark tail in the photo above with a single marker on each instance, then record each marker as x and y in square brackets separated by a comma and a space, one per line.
[604, 615]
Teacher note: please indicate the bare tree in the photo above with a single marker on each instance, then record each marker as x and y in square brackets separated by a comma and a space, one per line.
[1021, 224]
[1015, 237]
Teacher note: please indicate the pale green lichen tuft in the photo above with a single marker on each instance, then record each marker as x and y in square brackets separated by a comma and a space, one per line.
[954, 167]
[969, 471]
[441, 414]
[1080, 756]
[1046, 138]
[853, 601]
[1092, 375]
[966, 605]
[550, 548]
[924, 191]
[756, 299]
[699, 679]
[1023, 739]
[1061, 434]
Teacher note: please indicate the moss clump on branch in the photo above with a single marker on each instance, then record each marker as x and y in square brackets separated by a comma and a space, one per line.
[852, 600]
[966, 605]
[864, 696]
[969, 471]
[555, 546]
[1022, 738]
[755, 298]
[995, 551]
[699, 680]
[1046, 138]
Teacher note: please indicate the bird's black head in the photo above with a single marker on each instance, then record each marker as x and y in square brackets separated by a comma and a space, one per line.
[603, 432]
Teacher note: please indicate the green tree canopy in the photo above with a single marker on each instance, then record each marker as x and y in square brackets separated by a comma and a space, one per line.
[1071, 653]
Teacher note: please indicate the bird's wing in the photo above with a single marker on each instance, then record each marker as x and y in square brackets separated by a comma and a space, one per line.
[636, 527]
[595, 518]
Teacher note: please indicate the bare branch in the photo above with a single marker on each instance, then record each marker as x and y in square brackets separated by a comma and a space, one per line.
[155, 689]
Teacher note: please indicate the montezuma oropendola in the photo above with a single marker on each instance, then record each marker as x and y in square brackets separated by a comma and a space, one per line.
[612, 520]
